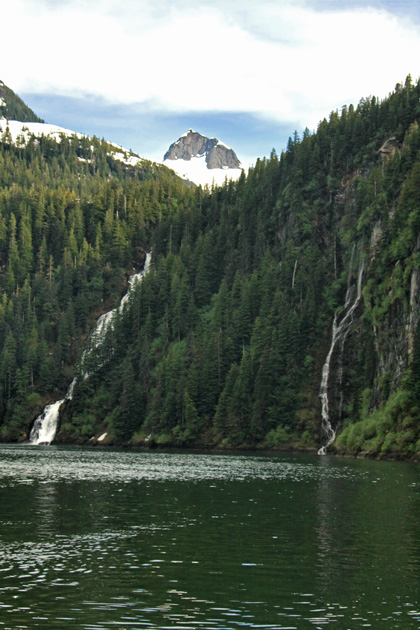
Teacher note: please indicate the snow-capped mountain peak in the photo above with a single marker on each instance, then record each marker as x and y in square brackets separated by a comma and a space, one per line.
[202, 160]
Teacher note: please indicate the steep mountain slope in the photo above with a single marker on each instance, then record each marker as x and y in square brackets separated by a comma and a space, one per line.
[202, 160]
[281, 310]
[76, 215]
[282, 306]
[13, 108]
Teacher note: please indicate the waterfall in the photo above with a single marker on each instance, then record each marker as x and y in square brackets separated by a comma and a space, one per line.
[45, 425]
[342, 339]
[340, 330]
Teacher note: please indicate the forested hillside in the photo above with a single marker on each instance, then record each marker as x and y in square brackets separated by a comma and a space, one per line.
[13, 108]
[224, 342]
[73, 222]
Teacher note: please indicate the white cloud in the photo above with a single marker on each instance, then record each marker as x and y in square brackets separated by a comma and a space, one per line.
[281, 60]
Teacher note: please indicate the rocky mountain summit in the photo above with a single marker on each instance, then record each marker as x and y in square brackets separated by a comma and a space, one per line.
[192, 144]
[201, 160]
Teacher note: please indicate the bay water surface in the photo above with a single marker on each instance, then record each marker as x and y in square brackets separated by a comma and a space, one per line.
[106, 538]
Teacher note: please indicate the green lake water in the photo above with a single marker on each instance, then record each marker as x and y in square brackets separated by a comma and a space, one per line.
[100, 539]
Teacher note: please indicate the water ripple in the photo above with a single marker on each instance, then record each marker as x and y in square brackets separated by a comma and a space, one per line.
[99, 539]
[51, 464]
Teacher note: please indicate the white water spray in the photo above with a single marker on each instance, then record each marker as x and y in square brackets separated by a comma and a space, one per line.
[339, 334]
[45, 426]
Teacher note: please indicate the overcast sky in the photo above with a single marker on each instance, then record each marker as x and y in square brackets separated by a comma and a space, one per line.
[142, 72]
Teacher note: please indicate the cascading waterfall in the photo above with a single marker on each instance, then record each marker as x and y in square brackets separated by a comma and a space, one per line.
[339, 334]
[45, 426]
[341, 348]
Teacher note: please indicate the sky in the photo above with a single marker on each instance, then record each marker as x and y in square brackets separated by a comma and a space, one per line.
[142, 72]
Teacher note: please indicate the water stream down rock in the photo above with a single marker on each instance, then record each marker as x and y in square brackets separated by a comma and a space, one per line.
[340, 330]
[45, 426]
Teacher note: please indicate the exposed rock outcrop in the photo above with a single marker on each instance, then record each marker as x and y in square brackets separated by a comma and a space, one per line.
[389, 147]
[193, 144]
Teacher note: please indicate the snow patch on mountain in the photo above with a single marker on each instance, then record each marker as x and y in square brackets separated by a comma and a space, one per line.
[195, 170]
[19, 133]
[202, 160]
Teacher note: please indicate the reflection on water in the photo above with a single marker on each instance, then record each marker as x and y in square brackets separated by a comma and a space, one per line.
[100, 539]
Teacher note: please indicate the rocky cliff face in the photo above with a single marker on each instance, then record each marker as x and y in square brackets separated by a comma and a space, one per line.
[193, 144]
[381, 344]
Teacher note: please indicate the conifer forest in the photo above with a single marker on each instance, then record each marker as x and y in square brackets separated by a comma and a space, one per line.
[277, 308]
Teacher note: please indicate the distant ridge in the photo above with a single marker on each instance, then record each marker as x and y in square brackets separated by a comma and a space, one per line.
[13, 108]
[18, 123]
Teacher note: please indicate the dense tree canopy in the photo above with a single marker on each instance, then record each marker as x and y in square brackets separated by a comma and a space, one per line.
[72, 221]
[223, 342]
